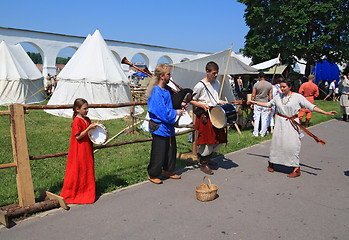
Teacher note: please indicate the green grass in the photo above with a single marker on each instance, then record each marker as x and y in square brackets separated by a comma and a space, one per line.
[115, 167]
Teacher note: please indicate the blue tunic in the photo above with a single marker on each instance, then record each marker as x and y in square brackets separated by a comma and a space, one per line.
[161, 111]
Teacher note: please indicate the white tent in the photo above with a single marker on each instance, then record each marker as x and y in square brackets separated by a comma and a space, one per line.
[94, 74]
[20, 80]
[188, 74]
[267, 64]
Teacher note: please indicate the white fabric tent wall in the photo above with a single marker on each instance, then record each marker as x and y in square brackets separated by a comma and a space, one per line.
[188, 74]
[20, 80]
[94, 74]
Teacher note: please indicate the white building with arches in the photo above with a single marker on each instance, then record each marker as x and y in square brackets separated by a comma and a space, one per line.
[50, 44]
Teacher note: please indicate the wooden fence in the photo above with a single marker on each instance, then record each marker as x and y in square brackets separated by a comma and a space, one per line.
[21, 158]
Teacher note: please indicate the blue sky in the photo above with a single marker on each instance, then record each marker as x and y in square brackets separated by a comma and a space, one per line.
[198, 25]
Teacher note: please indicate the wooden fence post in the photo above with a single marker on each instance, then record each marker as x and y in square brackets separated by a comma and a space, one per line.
[20, 156]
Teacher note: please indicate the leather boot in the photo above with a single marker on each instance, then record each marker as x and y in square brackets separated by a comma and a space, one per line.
[307, 123]
[270, 167]
[204, 160]
[211, 163]
[296, 173]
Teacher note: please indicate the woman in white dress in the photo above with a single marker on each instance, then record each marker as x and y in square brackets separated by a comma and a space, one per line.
[286, 142]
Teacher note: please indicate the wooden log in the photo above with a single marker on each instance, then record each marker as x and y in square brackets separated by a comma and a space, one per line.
[5, 113]
[90, 105]
[8, 165]
[33, 208]
[52, 155]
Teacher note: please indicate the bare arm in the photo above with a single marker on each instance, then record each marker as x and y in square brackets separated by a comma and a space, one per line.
[253, 96]
[206, 107]
[271, 94]
[263, 104]
[316, 109]
[83, 133]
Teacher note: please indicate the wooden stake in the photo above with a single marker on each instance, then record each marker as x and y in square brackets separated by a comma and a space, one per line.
[53, 196]
[225, 72]
[275, 69]
[21, 157]
[4, 219]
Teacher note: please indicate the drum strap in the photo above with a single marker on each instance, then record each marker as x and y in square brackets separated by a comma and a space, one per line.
[209, 92]
[294, 123]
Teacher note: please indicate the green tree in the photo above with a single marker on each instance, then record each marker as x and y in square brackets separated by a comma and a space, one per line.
[307, 29]
[35, 57]
[61, 60]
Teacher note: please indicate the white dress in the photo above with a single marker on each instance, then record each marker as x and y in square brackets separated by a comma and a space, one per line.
[286, 142]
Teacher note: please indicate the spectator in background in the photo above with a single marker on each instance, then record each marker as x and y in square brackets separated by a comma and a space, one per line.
[262, 92]
[240, 83]
[310, 91]
[276, 90]
[344, 100]
[48, 85]
[54, 83]
[331, 90]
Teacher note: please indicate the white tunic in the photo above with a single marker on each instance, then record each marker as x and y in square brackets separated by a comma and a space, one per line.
[202, 95]
[344, 100]
[286, 142]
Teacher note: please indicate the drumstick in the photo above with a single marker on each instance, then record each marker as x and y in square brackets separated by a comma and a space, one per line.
[209, 113]
[226, 99]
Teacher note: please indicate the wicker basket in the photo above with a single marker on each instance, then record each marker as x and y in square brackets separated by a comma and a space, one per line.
[206, 192]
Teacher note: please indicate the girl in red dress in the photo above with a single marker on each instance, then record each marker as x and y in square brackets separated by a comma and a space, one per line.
[79, 180]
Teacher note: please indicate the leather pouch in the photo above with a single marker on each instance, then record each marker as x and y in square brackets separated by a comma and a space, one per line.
[198, 111]
[153, 126]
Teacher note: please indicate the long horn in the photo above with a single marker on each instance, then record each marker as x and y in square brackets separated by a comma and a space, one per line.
[125, 61]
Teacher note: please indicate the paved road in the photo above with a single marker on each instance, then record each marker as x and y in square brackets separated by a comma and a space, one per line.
[252, 203]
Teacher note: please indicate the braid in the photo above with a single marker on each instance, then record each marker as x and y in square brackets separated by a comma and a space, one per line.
[77, 104]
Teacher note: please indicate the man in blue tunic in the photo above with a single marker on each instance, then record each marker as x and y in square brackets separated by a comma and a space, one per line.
[161, 126]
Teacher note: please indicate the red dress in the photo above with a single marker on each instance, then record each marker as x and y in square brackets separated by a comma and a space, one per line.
[79, 180]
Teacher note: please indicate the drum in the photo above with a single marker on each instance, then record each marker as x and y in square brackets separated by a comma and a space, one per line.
[98, 135]
[223, 115]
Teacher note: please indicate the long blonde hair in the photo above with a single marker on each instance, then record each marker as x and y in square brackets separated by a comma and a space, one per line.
[159, 70]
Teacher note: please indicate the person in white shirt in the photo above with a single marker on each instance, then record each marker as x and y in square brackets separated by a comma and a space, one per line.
[332, 90]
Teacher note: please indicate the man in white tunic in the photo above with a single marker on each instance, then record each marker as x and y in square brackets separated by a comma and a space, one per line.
[205, 96]
[344, 100]
[286, 142]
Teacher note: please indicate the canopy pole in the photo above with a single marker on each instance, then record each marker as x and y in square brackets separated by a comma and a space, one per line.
[225, 72]
[272, 80]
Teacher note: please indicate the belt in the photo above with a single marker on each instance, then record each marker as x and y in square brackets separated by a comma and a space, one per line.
[294, 124]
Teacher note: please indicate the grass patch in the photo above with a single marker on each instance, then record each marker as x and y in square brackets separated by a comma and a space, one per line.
[115, 167]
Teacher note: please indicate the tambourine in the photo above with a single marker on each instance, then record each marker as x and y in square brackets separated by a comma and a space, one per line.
[98, 135]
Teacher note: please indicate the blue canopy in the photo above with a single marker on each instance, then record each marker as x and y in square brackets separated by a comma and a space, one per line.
[326, 71]
[142, 75]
